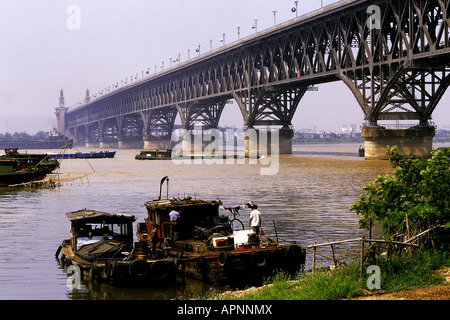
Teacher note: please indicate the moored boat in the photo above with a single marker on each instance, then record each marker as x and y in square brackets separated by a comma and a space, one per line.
[18, 168]
[101, 245]
[208, 246]
[84, 155]
[154, 155]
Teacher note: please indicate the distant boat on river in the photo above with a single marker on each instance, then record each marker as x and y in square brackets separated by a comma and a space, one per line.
[154, 155]
[18, 168]
[84, 155]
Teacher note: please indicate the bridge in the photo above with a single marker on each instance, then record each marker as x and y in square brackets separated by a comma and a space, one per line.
[393, 55]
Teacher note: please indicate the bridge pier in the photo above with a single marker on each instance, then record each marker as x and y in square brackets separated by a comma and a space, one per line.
[90, 144]
[129, 143]
[157, 143]
[108, 144]
[417, 140]
[270, 142]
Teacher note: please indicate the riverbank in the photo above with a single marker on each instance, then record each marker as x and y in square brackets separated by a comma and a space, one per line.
[434, 292]
[426, 277]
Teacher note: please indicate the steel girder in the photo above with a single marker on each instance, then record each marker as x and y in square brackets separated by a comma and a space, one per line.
[400, 69]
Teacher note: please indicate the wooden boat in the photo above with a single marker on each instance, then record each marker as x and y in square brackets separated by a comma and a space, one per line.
[84, 155]
[154, 155]
[361, 152]
[101, 245]
[206, 246]
[18, 168]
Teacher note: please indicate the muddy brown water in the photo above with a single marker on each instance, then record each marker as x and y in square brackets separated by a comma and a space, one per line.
[307, 200]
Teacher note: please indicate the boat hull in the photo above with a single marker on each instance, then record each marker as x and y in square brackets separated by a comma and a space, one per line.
[19, 168]
[21, 178]
[118, 271]
[87, 155]
[242, 267]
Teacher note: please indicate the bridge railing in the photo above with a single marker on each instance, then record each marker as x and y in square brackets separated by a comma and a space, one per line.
[218, 50]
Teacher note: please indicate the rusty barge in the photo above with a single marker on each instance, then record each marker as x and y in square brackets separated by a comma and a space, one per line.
[212, 247]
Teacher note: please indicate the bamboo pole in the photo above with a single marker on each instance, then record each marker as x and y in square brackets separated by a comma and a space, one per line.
[314, 258]
[362, 256]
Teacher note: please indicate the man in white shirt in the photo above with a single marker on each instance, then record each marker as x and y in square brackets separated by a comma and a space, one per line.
[174, 215]
[255, 220]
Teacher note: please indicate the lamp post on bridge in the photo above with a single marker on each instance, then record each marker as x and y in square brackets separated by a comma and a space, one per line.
[255, 26]
[274, 16]
[239, 32]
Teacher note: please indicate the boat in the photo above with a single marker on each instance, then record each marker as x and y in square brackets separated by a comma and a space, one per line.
[154, 155]
[84, 155]
[101, 246]
[361, 152]
[18, 168]
[215, 247]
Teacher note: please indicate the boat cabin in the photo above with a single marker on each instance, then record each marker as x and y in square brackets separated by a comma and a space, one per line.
[90, 226]
[194, 214]
[154, 155]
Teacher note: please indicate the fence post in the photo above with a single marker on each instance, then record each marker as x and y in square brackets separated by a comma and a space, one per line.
[362, 256]
[314, 258]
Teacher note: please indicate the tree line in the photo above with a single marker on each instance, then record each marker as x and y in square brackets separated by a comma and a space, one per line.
[23, 136]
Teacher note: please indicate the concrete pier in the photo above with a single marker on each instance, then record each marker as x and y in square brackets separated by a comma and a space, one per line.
[416, 140]
[156, 143]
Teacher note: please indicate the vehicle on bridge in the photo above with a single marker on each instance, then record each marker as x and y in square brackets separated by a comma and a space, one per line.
[19, 168]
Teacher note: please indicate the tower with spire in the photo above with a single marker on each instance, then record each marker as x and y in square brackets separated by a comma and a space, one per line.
[61, 112]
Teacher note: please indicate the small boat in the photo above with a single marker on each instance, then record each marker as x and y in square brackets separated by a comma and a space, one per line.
[216, 248]
[361, 151]
[101, 246]
[84, 155]
[19, 168]
[154, 155]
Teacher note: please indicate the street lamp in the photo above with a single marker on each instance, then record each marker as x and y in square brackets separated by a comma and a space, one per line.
[239, 32]
[223, 39]
[255, 26]
[296, 8]
[210, 44]
[274, 16]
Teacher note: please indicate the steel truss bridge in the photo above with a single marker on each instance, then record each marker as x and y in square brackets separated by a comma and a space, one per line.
[393, 55]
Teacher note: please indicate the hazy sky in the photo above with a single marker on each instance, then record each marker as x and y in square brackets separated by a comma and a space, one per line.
[40, 54]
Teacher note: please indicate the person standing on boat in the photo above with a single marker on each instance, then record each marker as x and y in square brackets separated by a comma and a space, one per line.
[155, 239]
[255, 220]
[174, 216]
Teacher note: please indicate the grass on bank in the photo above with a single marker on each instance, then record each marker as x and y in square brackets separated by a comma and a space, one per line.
[402, 273]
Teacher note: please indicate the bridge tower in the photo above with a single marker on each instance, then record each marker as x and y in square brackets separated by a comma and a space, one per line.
[61, 111]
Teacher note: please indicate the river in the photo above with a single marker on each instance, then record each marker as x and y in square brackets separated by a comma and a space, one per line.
[307, 200]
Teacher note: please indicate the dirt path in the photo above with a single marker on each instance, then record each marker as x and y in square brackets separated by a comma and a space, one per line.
[440, 292]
